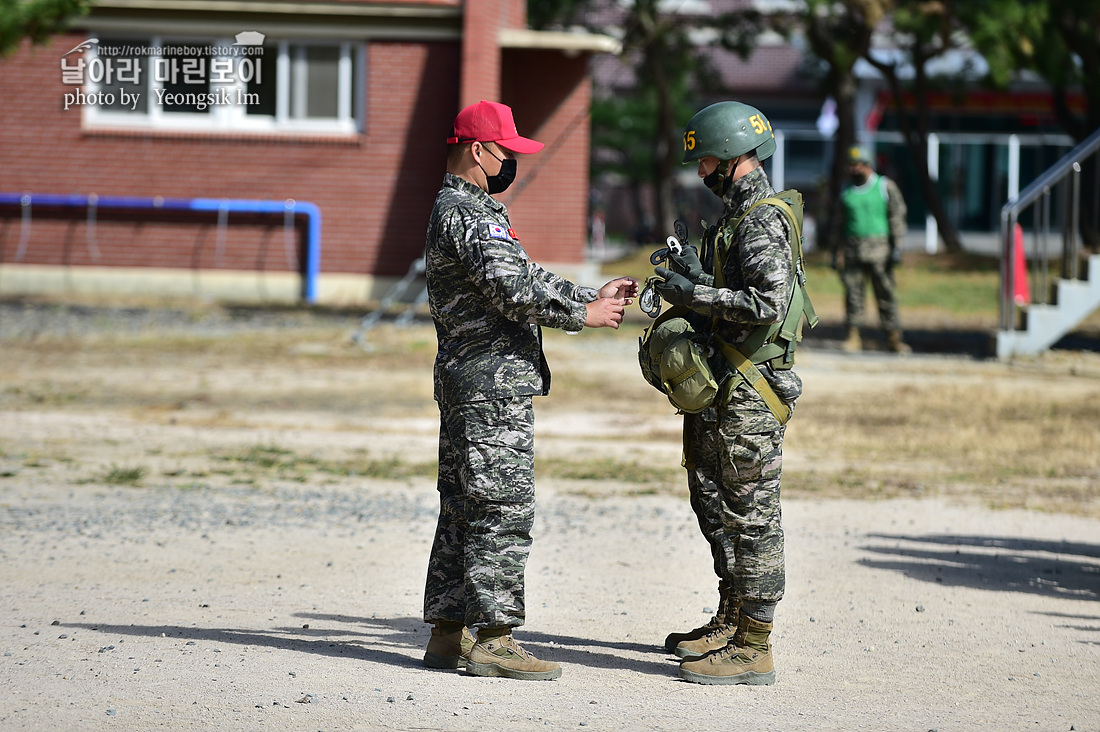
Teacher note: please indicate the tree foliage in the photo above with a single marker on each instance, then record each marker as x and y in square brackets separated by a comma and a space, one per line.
[922, 30]
[642, 128]
[35, 19]
[1057, 39]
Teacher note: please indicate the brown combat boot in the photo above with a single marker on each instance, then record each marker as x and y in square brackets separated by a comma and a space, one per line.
[896, 344]
[449, 649]
[746, 660]
[503, 657]
[853, 343]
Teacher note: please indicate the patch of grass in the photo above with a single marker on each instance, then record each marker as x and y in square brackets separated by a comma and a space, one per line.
[124, 475]
[288, 465]
[962, 284]
[1027, 446]
[608, 470]
[391, 468]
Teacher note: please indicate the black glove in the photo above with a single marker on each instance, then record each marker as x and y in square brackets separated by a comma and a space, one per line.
[687, 263]
[675, 289]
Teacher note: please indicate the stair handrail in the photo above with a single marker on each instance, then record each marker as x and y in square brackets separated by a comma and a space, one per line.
[1039, 188]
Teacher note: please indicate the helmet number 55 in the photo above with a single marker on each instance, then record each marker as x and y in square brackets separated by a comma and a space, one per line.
[689, 140]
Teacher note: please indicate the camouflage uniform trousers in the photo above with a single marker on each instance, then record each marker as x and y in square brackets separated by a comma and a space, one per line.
[869, 259]
[486, 509]
[734, 490]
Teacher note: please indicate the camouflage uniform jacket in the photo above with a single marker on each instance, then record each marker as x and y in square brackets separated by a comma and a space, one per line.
[759, 274]
[489, 300]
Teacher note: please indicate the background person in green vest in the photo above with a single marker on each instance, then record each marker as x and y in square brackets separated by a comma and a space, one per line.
[873, 212]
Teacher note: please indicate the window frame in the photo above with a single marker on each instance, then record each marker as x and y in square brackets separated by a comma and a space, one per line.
[234, 118]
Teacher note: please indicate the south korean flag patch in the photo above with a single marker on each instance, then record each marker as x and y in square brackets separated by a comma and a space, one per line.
[496, 231]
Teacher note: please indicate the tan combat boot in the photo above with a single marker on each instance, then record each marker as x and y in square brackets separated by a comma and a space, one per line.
[896, 344]
[853, 343]
[715, 640]
[675, 639]
[720, 618]
[746, 660]
[449, 649]
[503, 657]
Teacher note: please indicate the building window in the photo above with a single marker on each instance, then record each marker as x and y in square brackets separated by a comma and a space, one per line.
[215, 85]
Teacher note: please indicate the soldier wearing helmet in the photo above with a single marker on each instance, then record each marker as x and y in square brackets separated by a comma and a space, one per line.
[733, 449]
[873, 210]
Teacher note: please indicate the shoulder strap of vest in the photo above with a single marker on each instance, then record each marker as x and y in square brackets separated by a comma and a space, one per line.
[776, 341]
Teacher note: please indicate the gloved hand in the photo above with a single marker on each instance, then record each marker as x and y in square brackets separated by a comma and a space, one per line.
[675, 289]
[892, 261]
[687, 263]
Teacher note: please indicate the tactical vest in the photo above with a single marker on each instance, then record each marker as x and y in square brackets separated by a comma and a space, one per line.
[775, 343]
[866, 209]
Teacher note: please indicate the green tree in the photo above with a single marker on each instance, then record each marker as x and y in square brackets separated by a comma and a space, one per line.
[1060, 41]
[35, 19]
[642, 128]
[923, 29]
[837, 34]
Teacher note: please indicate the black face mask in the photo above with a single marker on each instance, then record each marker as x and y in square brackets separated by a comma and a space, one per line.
[718, 183]
[499, 183]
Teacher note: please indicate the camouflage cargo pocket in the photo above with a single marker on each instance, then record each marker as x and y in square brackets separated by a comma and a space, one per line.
[500, 449]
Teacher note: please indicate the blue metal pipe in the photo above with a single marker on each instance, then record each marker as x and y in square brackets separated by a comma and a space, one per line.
[231, 205]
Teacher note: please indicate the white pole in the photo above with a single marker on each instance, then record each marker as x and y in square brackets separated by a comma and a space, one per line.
[1013, 167]
[931, 232]
[779, 161]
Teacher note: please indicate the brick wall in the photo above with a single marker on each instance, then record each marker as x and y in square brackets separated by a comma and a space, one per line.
[375, 190]
[550, 94]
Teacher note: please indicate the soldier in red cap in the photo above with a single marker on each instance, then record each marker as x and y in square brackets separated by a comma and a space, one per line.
[488, 301]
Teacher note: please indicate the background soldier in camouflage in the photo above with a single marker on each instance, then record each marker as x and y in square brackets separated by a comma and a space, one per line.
[488, 301]
[874, 226]
[734, 449]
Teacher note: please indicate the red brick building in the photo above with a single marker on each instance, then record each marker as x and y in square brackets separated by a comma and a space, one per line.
[113, 129]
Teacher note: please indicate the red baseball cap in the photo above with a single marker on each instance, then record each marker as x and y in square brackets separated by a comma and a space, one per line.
[491, 122]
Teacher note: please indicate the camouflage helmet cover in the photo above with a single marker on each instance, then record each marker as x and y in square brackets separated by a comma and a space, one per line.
[726, 130]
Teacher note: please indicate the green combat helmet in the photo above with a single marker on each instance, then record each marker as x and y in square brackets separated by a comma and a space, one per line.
[726, 130]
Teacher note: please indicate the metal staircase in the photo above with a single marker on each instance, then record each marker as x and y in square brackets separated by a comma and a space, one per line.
[1029, 329]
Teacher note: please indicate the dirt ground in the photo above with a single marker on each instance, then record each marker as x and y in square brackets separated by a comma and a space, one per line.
[219, 519]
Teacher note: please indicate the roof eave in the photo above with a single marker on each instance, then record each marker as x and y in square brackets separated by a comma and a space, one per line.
[568, 42]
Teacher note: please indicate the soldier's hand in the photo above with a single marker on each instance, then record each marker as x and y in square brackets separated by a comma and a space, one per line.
[606, 312]
[676, 289]
[687, 263]
[623, 288]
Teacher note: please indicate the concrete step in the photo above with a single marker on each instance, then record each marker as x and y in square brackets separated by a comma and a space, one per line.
[1043, 325]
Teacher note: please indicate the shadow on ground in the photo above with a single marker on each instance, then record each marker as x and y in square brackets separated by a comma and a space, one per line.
[1051, 568]
[975, 343]
[393, 642]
